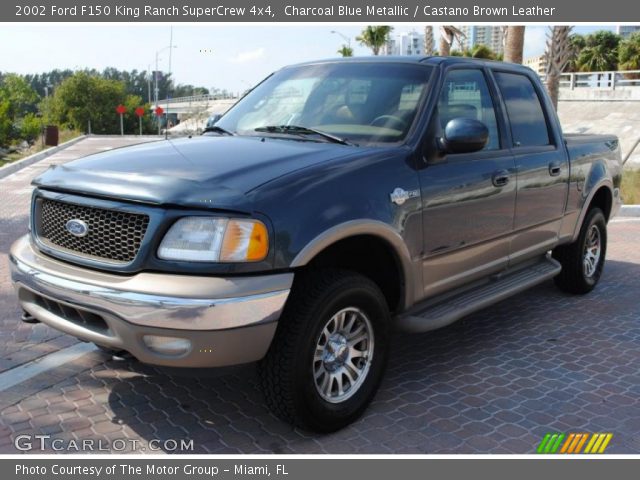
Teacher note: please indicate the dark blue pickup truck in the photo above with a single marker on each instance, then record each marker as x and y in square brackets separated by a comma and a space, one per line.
[336, 202]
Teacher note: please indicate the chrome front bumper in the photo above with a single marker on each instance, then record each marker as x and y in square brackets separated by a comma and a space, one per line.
[226, 321]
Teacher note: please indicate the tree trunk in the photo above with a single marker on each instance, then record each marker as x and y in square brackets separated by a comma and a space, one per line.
[428, 41]
[553, 87]
[445, 47]
[558, 53]
[514, 44]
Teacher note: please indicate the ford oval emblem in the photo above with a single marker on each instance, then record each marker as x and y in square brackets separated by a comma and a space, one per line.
[77, 227]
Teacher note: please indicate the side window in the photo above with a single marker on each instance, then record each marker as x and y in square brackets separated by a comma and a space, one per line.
[465, 94]
[528, 123]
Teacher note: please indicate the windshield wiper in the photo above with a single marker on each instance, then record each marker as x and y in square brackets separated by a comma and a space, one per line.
[217, 129]
[299, 130]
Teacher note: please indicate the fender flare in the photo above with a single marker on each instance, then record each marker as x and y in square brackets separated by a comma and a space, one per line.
[603, 182]
[374, 228]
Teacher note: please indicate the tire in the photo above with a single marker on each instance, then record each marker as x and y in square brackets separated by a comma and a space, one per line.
[576, 276]
[350, 306]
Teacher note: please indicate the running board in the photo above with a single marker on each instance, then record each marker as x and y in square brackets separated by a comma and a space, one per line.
[442, 311]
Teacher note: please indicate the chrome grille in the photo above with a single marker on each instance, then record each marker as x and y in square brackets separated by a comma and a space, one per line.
[112, 235]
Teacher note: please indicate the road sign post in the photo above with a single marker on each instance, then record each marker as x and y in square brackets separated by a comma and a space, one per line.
[159, 111]
[140, 113]
[121, 109]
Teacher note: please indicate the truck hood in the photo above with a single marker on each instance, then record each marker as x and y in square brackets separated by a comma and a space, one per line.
[206, 171]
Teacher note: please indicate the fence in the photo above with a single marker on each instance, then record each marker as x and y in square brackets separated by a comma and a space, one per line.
[601, 80]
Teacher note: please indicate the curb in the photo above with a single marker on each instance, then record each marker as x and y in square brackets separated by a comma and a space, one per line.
[627, 211]
[36, 157]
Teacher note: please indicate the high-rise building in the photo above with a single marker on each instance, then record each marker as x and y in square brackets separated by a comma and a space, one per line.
[489, 35]
[538, 64]
[411, 43]
[625, 31]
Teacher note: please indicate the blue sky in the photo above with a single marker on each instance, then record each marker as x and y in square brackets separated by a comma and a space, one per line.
[231, 57]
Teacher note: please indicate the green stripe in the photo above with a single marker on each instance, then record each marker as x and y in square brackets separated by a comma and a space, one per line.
[547, 448]
[554, 449]
[543, 443]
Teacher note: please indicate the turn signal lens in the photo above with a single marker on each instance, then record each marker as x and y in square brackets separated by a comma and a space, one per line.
[244, 241]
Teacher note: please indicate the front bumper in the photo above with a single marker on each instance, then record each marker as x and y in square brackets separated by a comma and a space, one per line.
[225, 321]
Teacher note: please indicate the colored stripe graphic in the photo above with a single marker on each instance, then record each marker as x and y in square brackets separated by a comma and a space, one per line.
[574, 442]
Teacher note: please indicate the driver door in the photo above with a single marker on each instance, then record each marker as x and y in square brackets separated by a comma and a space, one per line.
[468, 199]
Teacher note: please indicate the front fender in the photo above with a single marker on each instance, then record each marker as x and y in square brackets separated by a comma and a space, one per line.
[365, 227]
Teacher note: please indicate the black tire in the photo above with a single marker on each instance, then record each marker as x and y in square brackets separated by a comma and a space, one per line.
[287, 371]
[573, 278]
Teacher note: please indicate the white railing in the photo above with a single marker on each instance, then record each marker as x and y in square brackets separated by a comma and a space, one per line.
[197, 99]
[599, 80]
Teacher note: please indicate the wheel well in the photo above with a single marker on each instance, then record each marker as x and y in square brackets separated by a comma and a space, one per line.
[370, 256]
[603, 200]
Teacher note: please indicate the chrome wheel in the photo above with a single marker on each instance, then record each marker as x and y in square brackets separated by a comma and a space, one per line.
[592, 252]
[343, 355]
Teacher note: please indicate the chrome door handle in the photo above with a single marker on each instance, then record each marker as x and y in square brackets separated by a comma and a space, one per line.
[554, 169]
[500, 178]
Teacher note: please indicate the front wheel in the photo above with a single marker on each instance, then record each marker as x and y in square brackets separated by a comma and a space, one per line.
[583, 260]
[330, 350]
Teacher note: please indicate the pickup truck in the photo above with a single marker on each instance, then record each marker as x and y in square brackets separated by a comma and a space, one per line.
[335, 203]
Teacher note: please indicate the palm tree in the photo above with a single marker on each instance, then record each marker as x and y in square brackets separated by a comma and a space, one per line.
[558, 54]
[629, 55]
[482, 51]
[600, 52]
[577, 43]
[514, 43]
[448, 34]
[375, 37]
[346, 51]
[429, 47]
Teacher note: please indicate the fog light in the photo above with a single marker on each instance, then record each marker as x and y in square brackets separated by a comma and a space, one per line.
[167, 345]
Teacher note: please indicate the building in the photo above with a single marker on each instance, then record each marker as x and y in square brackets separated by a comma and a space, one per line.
[411, 43]
[489, 35]
[538, 64]
[625, 31]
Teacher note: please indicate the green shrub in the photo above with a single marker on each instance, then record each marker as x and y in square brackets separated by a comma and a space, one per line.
[30, 128]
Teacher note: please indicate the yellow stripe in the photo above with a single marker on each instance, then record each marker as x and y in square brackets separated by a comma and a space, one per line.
[584, 439]
[606, 441]
[567, 442]
[574, 443]
[596, 446]
[594, 437]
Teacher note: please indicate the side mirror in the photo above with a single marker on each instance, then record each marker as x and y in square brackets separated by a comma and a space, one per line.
[464, 135]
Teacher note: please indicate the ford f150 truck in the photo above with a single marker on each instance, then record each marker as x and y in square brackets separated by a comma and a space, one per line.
[336, 202]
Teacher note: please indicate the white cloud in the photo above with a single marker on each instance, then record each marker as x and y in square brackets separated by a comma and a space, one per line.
[248, 56]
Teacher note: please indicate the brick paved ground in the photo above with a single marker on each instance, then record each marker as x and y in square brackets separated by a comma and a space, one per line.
[495, 382]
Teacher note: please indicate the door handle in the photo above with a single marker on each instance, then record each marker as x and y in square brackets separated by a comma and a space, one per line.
[500, 178]
[555, 169]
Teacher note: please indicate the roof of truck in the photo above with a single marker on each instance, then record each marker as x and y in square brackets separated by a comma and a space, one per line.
[428, 60]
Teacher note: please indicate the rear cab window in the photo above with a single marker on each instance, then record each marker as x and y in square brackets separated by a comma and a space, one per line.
[529, 126]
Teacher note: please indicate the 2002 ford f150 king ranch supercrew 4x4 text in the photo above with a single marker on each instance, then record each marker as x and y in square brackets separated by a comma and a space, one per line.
[334, 203]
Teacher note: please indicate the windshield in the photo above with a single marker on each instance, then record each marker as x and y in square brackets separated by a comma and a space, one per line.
[360, 102]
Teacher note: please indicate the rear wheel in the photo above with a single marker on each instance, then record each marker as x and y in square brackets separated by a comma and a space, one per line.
[330, 350]
[583, 261]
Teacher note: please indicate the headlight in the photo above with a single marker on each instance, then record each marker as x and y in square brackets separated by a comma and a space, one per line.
[212, 239]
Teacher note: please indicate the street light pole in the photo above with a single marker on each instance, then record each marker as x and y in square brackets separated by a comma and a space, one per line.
[155, 74]
[166, 129]
[155, 79]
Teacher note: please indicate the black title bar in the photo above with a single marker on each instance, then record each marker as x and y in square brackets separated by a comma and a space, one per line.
[371, 11]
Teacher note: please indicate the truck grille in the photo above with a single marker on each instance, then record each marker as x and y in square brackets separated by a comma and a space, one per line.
[112, 235]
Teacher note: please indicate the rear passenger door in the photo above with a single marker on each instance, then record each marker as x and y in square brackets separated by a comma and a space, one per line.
[542, 167]
[468, 199]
